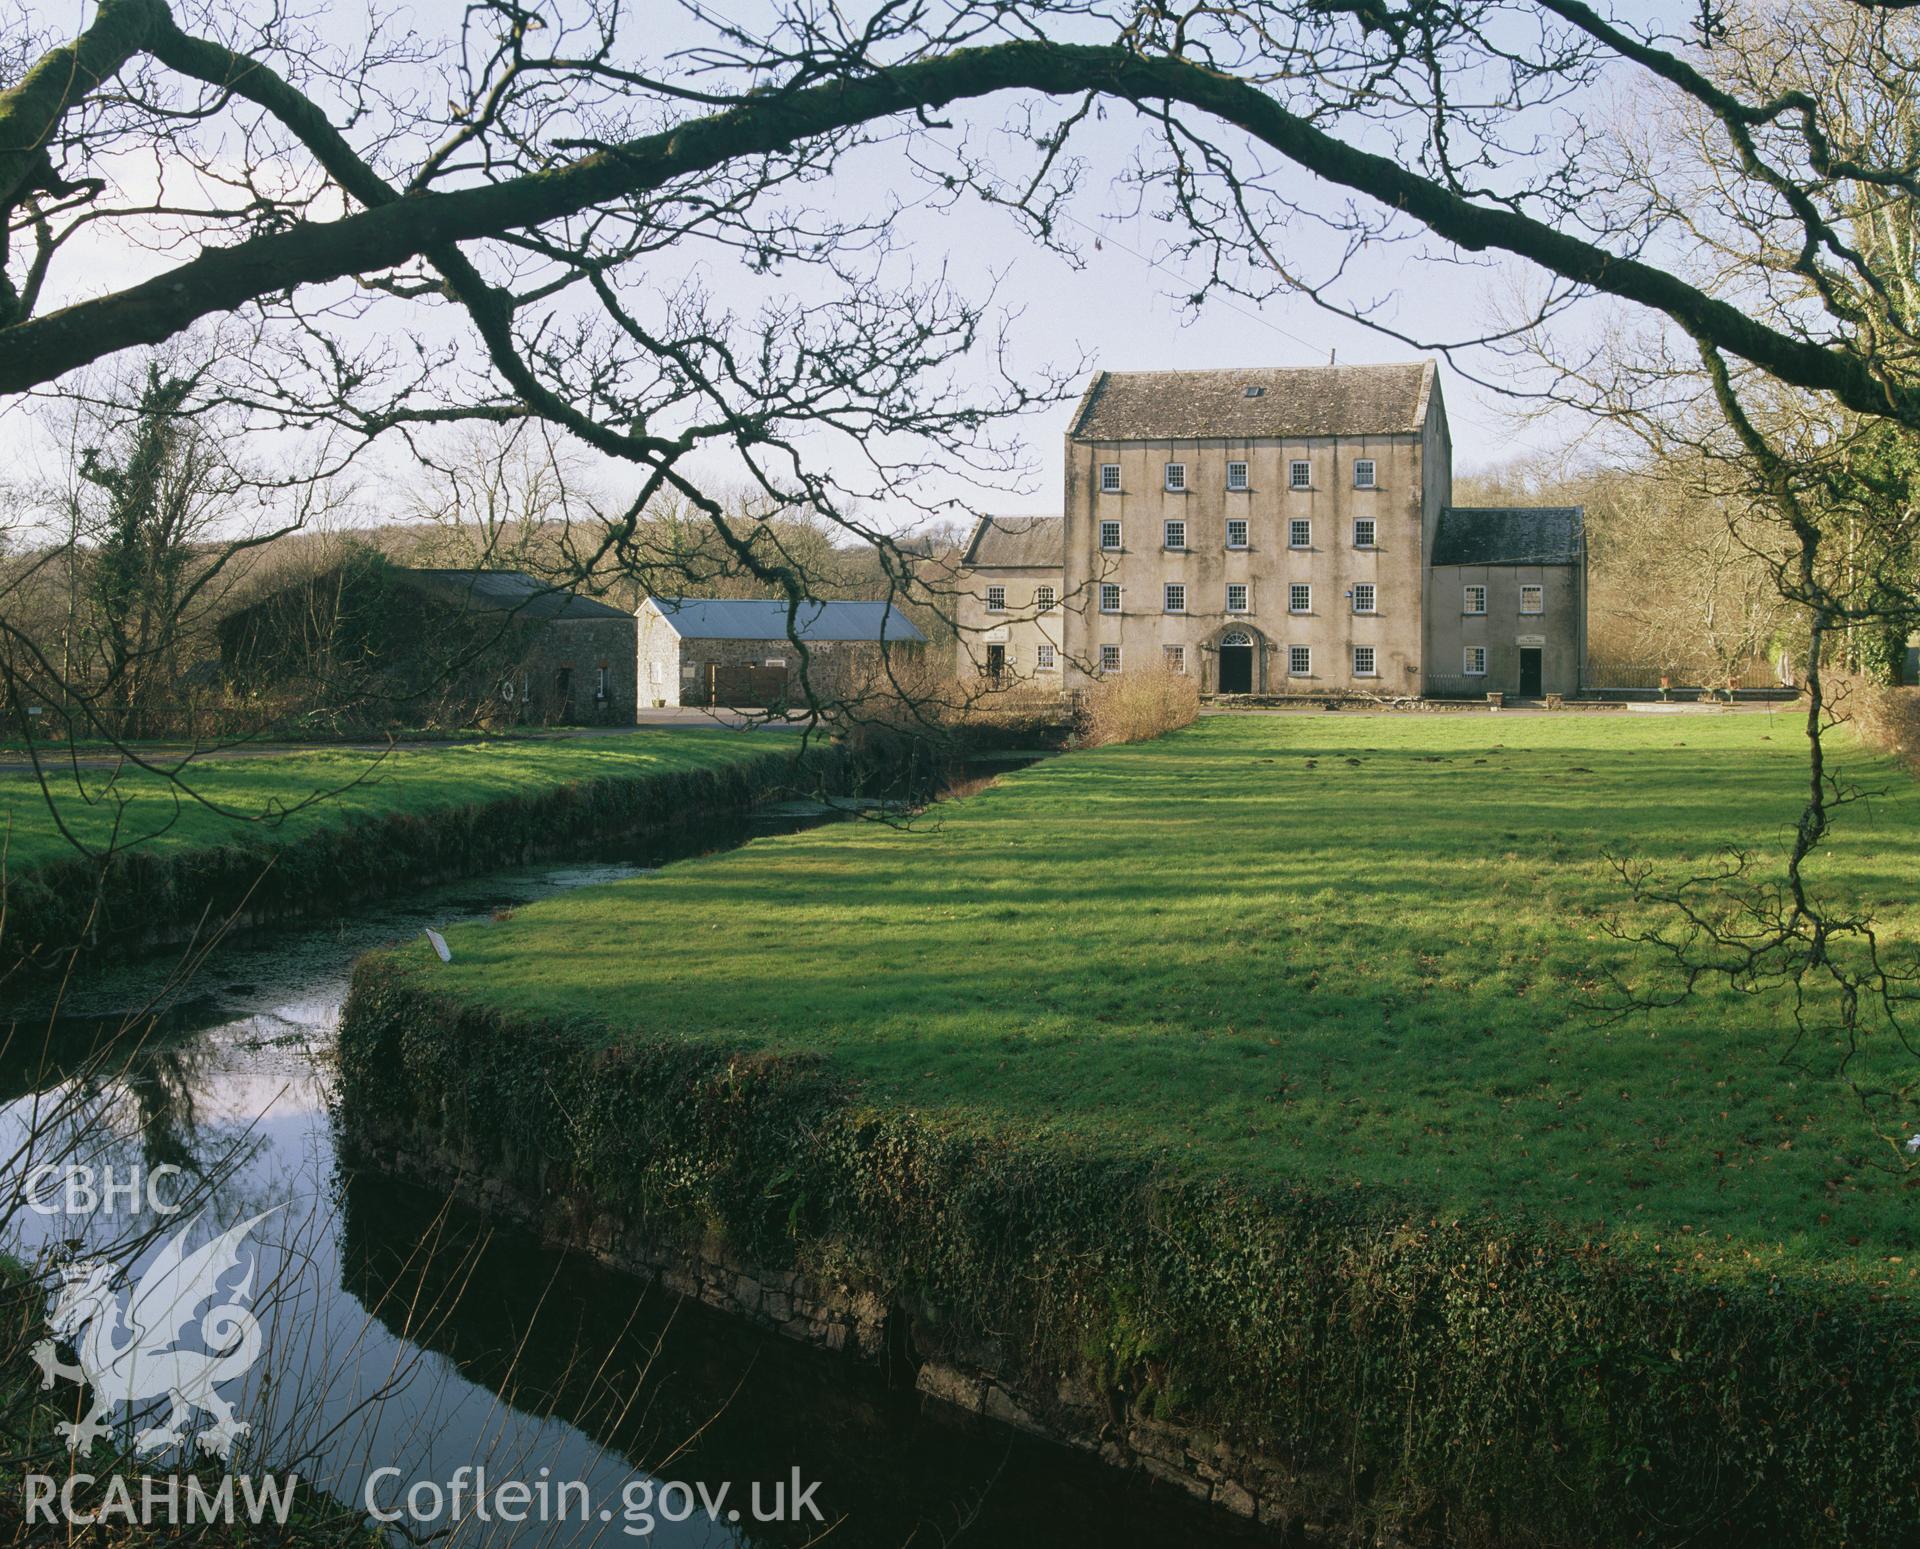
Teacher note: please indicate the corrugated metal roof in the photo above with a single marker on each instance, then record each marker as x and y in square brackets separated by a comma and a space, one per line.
[744, 618]
[1259, 402]
[1509, 535]
[1023, 542]
[504, 591]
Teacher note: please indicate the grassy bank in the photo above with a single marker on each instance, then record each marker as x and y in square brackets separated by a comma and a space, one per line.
[1243, 1073]
[251, 834]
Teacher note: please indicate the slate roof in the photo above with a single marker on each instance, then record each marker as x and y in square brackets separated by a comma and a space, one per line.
[504, 591]
[730, 618]
[1292, 401]
[1509, 535]
[1017, 543]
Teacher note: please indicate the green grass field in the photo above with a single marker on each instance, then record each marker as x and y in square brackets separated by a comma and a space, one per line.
[1342, 951]
[251, 800]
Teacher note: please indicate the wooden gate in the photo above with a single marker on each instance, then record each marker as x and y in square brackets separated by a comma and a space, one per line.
[744, 686]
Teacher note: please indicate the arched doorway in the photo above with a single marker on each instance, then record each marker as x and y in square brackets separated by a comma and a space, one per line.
[1236, 662]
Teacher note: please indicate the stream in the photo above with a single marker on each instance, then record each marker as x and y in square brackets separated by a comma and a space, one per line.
[407, 1337]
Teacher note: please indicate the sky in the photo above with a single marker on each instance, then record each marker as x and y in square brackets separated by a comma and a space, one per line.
[1122, 309]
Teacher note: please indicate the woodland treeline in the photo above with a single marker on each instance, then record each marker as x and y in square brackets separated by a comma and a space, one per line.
[117, 578]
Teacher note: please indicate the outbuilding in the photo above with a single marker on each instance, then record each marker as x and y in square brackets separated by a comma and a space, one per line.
[384, 643]
[745, 653]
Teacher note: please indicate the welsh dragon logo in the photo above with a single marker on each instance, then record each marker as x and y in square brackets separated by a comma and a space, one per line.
[131, 1355]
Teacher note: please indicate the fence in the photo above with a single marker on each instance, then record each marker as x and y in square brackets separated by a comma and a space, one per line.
[1455, 688]
[742, 686]
[1634, 678]
[1603, 678]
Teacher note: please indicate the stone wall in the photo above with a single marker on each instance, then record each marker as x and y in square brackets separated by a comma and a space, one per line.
[674, 671]
[845, 1315]
[596, 657]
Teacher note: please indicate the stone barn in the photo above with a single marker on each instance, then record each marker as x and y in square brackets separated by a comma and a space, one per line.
[744, 653]
[372, 642]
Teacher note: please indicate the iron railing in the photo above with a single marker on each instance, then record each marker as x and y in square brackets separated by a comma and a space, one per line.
[1639, 678]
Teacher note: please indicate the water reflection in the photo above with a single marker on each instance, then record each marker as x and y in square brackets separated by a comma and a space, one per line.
[403, 1333]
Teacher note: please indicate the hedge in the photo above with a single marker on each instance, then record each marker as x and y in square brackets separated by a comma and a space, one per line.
[142, 895]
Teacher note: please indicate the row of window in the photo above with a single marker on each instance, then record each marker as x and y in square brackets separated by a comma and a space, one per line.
[1299, 476]
[1364, 596]
[1046, 656]
[1043, 599]
[1173, 534]
[1299, 660]
[1533, 599]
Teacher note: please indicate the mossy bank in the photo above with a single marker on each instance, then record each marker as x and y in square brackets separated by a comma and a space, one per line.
[263, 839]
[1343, 1361]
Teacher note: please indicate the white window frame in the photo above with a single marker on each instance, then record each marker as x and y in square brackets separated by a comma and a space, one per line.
[1043, 599]
[1372, 533]
[1241, 523]
[1539, 600]
[1109, 597]
[1109, 478]
[1370, 602]
[1246, 597]
[1175, 475]
[1468, 655]
[1167, 530]
[1299, 533]
[996, 599]
[1468, 598]
[1366, 473]
[1173, 597]
[1236, 476]
[1043, 657]
[1299, 661]
[1110, 524]
[1299, 474]
[1372, 668]
[1299, 597]
[1109, 658]
[1175, 658]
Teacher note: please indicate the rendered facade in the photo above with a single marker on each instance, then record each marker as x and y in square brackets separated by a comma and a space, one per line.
[1275, 532]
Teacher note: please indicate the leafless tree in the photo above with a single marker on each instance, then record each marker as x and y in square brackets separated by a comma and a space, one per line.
[538, 171]
[402, 232]
[1780, 158]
